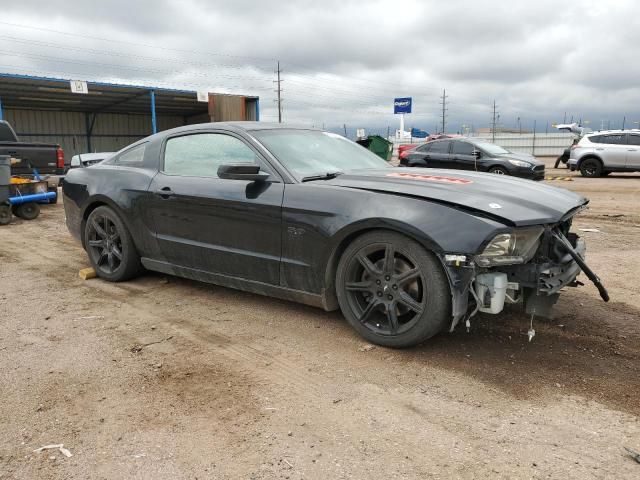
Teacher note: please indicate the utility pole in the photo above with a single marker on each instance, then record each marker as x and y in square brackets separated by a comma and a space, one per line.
[279, 92]
[565, 118]
[493, 123]
[533, 147]
[344, 125]
[444, 109]
[624, 120]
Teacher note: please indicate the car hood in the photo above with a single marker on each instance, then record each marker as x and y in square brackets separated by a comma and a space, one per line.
[514, 201]
[521, 156]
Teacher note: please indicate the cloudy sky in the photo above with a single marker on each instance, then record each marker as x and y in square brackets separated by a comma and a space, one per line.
[344, 61]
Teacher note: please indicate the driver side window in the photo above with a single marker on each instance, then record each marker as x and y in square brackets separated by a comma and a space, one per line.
[200, 155]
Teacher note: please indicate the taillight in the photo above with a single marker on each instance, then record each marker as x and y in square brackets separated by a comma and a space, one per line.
[59, 158]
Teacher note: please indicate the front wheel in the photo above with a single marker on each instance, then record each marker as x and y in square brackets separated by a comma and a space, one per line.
[110, 247]
[392, 291]
[498, 171]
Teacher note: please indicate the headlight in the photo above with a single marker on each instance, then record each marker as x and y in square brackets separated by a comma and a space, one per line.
[512, 248]
[519, 163]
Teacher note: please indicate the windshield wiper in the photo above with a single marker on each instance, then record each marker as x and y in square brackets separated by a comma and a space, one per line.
[322, 176]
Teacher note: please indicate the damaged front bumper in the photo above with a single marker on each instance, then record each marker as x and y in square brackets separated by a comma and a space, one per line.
[536, 284]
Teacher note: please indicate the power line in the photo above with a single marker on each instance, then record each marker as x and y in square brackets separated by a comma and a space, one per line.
[124, 42]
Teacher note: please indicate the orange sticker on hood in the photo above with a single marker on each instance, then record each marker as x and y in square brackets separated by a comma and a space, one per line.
[431, 178]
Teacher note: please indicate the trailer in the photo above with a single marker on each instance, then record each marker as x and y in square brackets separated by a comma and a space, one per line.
[21, 196]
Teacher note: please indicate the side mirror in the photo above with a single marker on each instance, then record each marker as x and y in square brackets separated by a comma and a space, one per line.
[477, 153]
[242, 171]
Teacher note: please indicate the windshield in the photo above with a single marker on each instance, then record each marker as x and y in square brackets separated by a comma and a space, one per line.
[491, 148]
[310, 152]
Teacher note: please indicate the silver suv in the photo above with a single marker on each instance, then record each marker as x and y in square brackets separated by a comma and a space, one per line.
[600, 153]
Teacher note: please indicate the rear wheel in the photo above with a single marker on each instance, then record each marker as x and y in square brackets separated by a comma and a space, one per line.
[110, 247]
[27, 211]
[498, 171]
[5, 215]
[591, 167]
[391, 290]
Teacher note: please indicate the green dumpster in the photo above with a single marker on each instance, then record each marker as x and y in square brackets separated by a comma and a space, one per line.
[378, 145]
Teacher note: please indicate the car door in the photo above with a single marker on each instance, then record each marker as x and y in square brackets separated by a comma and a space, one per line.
[220, 226]
[462, 155]
[418, 156]
[633, 151]
[439, 156]
[612, 149]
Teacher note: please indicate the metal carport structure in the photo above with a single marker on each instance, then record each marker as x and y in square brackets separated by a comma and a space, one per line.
[108, 116]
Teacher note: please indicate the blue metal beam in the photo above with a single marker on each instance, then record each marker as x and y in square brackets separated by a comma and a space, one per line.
[0, 108]
[154, 128]
[257, 109]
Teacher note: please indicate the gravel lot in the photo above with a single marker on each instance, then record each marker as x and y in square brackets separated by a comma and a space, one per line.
[168, 378]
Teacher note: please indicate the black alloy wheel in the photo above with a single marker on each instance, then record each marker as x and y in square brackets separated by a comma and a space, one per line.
[104, 244]
[109, 246]
[391, 290]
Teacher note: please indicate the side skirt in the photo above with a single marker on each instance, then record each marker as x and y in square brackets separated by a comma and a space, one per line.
[315, 300]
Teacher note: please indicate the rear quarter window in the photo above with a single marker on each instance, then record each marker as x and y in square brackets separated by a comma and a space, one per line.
[134, 157]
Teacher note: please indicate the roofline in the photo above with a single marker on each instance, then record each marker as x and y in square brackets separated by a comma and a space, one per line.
[107, 84]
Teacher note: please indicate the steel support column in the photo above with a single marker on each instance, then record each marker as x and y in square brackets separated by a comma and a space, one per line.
[154, 128]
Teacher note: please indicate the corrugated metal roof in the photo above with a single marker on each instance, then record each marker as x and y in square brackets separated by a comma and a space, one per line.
[45, 93]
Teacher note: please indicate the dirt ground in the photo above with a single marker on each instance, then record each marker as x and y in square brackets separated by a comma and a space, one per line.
[164, 378]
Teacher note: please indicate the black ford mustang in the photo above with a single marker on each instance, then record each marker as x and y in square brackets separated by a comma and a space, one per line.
[309, 216]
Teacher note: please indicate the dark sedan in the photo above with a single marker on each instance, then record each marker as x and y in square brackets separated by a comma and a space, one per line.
[472, 154]
[309, 216]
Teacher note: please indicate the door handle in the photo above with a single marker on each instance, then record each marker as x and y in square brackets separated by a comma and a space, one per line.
[164, 192]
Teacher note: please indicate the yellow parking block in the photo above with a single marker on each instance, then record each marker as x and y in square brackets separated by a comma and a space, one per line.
[87, 273]
[563, 179]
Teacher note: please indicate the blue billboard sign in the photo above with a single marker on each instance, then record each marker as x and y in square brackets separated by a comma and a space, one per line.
[402, 105]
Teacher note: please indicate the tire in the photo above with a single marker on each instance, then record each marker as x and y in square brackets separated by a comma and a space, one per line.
[5, 215]
[110, 247]
[591, 168]
[498, 170]
[54, 200]
[26, 211]
[394, 304]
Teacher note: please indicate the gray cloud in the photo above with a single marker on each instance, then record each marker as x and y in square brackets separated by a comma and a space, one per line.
[344, 61]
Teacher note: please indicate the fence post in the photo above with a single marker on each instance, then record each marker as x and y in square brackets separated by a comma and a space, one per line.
[533, 147]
